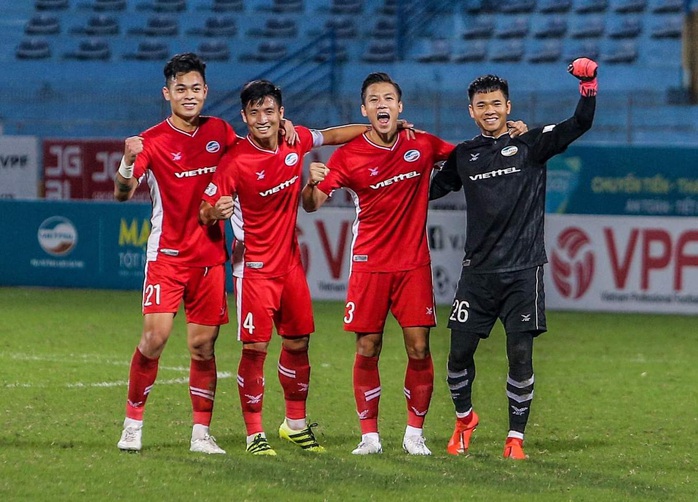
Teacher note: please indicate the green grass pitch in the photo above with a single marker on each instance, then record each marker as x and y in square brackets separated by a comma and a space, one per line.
[614, 417]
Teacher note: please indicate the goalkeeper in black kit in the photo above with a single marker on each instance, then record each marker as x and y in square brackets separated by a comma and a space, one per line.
[503, 179]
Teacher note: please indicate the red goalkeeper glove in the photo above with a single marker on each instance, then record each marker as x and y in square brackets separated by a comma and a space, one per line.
[585, 70]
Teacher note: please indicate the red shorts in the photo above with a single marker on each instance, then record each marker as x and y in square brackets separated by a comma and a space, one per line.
[409, 295]
[283, 302]
[201, 288]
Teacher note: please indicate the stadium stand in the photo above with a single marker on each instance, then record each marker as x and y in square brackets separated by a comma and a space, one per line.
[421, 42]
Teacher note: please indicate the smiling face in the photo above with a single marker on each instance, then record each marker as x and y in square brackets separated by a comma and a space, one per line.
[382, 106]
[263, 119]
[186, 93]
[490, 110]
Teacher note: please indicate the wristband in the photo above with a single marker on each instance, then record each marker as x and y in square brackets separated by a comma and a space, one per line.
[125, 170]
[312, 184]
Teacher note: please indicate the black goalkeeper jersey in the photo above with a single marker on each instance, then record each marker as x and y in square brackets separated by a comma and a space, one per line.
[504, 184]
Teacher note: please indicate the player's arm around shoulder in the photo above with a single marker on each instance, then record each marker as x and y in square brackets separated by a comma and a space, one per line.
[342, 134]
[311, 196]
[125, 183]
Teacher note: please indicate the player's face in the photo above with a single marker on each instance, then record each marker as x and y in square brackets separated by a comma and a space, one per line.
[382, 107]
[263, 119]
[186, 94]
[490, 111]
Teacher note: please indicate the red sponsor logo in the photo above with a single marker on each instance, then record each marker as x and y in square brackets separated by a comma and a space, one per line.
[572, 263]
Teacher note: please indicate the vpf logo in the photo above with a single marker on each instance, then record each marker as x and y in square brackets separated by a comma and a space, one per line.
[572, 263]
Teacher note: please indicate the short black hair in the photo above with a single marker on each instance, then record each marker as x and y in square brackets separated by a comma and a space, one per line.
[488, 83]
[184, 63]
[375, 78]
[255, 91]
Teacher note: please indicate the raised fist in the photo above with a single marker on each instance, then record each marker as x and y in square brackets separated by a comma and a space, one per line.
[585, 70]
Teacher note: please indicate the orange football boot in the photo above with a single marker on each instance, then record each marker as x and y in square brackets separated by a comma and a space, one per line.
[513, 448]
[460, 440]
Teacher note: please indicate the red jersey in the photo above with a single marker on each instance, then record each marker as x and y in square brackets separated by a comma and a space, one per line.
[390, 188]
[266, 185]
[178, 166]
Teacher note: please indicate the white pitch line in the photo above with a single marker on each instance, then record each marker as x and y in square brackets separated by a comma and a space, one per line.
[85, 358]
[222, 375]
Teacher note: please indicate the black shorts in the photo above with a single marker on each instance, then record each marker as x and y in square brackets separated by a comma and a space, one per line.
[517, 298]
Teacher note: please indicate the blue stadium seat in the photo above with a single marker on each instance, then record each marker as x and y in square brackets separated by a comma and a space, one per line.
[326, 52]
[276, 27]
[380, 51]
[389, 8]
[481, 27]
[269, 50]
[588, 27]
[627, 28]
[344, 27]
[589, 49]
[517, 6]
[549, 52]
[625, 52]
[508, 52]
[669, 6]
[33, 48]
[91, 49]
[346, 6]
[517, 28]
[554, 27]
[591, 6]
[214, 50]
[226, 6]
[164, 5]
[668, 28]
[105, 5]
[149, 50]
[98, 26]
[51, 4]
[43, 24]
[384, 27]
[439, 51]
[630, 6]
[554, 6]
[216, 26]
[158, 25]
[472, 53]
[285, 6]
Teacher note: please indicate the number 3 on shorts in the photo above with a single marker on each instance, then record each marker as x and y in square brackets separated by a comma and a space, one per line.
[349, 312]
[459, 311]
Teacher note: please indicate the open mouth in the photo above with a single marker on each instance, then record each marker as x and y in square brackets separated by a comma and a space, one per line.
[383, 118]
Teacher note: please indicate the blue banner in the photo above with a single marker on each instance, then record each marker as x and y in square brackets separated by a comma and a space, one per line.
[73, 244]
[617, 180]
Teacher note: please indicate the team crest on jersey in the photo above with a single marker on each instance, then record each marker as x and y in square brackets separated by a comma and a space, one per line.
[411, 155]
[508, 151]
[213, 146]
[211, 190]
[291, 159]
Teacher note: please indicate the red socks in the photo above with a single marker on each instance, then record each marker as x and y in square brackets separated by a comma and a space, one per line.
[202, 389]
[251, 388]
[419, 385]
[141, 378]
[367, 392]
[294, 376]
